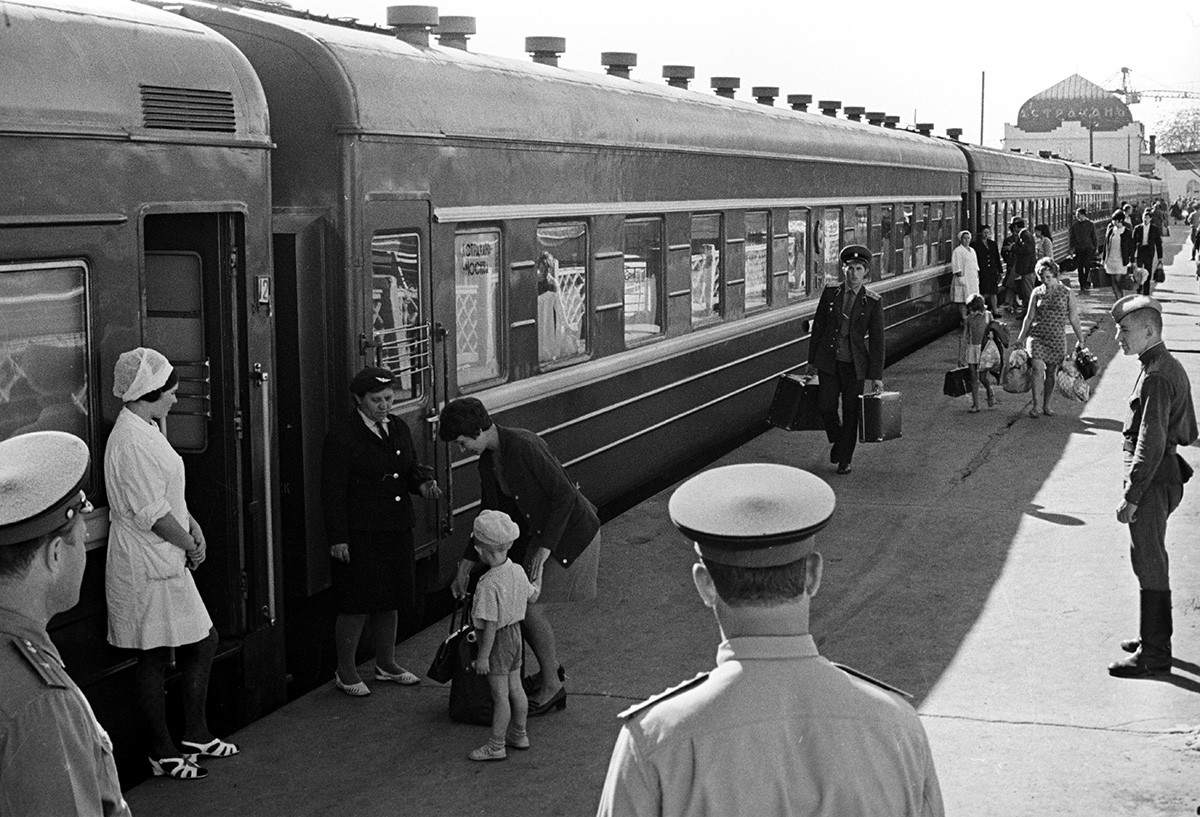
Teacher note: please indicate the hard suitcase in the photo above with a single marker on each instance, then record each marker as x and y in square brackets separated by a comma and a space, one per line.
[957, 382]
[879, 417]
[794, 407]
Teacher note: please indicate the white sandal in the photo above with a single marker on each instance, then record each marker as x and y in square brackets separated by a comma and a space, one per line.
[214, 748]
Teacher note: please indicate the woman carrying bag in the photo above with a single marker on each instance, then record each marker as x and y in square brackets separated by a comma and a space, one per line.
[1051, 307]
[1117, 251]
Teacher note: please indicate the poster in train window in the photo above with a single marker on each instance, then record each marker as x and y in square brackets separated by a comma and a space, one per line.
[706, 267]
[757, 268]
[562, 303]
[644, 279]
[921, 238]
[477, 306]
[43, 349]
[905, 223]
[396, 309]
[885, 243]
[797, 255]
[831, 236]
[938, 244]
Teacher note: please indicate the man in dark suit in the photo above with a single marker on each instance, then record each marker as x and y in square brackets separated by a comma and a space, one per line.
[846, 347]
[990, 271]
[1083, 245]
[1147, 238]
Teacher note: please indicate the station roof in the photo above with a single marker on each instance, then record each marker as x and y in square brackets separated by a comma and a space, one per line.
[386, 86]
[117, 68]
[1187, 160]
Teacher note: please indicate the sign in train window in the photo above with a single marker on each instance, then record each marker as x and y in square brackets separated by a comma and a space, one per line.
[643, 279]
[706, 267]
[44, 379]
[477, 305]
[797, 228]
[397, 327]
[757, 266]
[562, 304]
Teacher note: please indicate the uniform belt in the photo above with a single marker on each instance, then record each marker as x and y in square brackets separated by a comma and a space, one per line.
[1130, 446]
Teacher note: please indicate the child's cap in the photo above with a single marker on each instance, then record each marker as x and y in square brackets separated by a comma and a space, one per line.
[495, 529]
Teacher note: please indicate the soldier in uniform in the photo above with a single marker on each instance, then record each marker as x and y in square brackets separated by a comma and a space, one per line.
[1161, 418]
[775, 729]
[846, 348]
[54, 756]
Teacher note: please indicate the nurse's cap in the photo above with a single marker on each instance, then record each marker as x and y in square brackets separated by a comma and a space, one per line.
[41, 481]
[753, 515]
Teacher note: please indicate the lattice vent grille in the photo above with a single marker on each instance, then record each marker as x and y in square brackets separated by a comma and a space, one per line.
[192, 109]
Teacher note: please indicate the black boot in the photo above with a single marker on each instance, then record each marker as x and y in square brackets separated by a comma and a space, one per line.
[1153, 653]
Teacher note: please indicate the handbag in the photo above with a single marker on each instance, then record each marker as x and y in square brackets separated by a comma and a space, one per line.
[957, 382]
[442, 668]
[1070, 382]
[1085, 362]
[1160, 277]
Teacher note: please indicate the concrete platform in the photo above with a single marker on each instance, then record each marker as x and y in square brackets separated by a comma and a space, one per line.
[977, 563]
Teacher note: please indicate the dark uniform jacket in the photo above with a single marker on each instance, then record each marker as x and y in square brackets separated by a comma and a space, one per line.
[866, 333]
[1083, 239]
[1152, 249]
[990, 271]
[1161, 416]
[366, 481]
[55, 758]
[551, 511]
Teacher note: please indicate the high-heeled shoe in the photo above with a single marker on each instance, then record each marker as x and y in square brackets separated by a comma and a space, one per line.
[533, 683]
[556, 701]
[180, 768]
[214, 748]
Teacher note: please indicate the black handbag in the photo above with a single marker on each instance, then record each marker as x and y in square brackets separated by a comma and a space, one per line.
[470, 693]
[957, 382]
[1160, 276]
[447, 655]
[1085, 362]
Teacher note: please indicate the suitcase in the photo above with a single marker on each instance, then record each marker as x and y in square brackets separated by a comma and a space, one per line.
[794, 407]
[879, 417]
[957, 382]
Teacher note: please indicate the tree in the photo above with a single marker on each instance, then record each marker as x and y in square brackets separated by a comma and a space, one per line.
[1179, 131]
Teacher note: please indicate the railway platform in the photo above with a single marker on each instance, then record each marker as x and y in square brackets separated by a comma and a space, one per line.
[977, 563]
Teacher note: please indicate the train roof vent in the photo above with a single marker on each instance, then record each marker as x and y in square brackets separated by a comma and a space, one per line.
[195, 109]
[678, 76]
[799, 102]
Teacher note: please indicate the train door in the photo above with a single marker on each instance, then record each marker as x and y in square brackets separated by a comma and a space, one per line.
[401, 333]
[192, 280]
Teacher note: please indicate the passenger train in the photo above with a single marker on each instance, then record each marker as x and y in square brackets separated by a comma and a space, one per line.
[275, 199]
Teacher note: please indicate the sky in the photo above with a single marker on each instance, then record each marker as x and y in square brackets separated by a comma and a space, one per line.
[900, 57]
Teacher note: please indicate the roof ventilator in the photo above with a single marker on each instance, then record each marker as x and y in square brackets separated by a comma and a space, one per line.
[413, 23]
[765, 94]
[876, 117]
[799, 102]
[924, 128]
[618, 63]
[678, 76]
[546, 50]
[829, 107]
[452, 32]
[954, 133]
[891, 122]
[725, 86]
[854, 113]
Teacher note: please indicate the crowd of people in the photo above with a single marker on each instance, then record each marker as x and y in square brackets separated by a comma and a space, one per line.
[697, 748]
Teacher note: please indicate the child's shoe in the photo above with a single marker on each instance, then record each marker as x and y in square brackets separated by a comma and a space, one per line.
[488, 751]
[516, 740]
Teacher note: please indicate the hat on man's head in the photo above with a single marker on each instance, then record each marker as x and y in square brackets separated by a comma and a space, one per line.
[1016, 221]
[495, 528]
[41, 477]
[856, 252]
[139, 372]
[752, 515]
[371, 379]
[1132, 303]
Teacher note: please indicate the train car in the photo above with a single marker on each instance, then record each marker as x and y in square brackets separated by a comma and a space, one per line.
[1005, 185]
[134, 157]
[1094, 189]
[621, 266]
[1139, 191]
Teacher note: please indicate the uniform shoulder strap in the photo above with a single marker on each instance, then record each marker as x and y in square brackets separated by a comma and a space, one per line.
[863, 676]
[662, 696]
[43, 664]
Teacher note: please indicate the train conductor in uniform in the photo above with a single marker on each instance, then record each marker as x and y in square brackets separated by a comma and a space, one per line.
[55, 758]
[775, 729]
[846, 348]
[1161, 419]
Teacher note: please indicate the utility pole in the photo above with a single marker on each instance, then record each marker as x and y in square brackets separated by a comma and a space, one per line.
[982, 90]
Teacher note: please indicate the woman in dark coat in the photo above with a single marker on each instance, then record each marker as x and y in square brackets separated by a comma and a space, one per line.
[1117, 250]
[560, 531]
[990, 272]
[367, 475]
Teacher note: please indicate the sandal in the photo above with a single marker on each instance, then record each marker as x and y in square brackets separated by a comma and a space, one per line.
[973, 410]
[357, 690]
[214, 748]
[403, 677]
[180, 768]
[1034, 413]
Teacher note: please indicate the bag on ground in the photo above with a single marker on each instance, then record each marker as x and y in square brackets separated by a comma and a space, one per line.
[957, 382]
[1071, 383]
[442, 668]
[1016, 378]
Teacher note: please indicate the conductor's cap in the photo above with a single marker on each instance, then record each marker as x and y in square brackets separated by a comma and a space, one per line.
[371, 379]
[856, 253]
[752, 515]
[1132, 303]
[41, 477]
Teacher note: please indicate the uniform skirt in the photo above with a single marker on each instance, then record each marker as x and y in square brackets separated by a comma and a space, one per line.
[379, 575]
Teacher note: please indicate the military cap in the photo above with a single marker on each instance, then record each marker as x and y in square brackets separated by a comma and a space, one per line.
[856, 252]
[1132, 303]
[41, 477]
[371, 379]
[752, 515]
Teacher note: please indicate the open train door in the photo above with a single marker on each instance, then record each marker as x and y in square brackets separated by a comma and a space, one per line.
[401, 338]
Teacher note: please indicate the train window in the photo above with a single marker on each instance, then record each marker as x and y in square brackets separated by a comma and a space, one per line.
[175, 327]
[562, 303]
[477, 305]
[936, 234]
[797, 253]
[757, 265]
[862, 221]
[886, 243]
[396, 301]
[644, 279]
[706, 267]
[44, 383]
[831, 238]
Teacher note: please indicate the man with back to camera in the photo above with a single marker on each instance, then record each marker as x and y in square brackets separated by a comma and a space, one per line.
[846, 347]
[1161, 418]
[775, 729]
[55, 759]
[1083, 245]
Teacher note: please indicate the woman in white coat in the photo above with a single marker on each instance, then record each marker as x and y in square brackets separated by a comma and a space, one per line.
[965, 266]
[153, 545]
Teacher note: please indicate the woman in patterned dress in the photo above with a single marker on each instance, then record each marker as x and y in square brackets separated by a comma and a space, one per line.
[1051, 307]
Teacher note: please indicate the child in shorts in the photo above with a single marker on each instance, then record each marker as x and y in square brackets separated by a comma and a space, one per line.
[498, 610]
[976, 331]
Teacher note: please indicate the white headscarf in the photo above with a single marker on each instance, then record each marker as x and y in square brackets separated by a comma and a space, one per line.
[139, 372]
